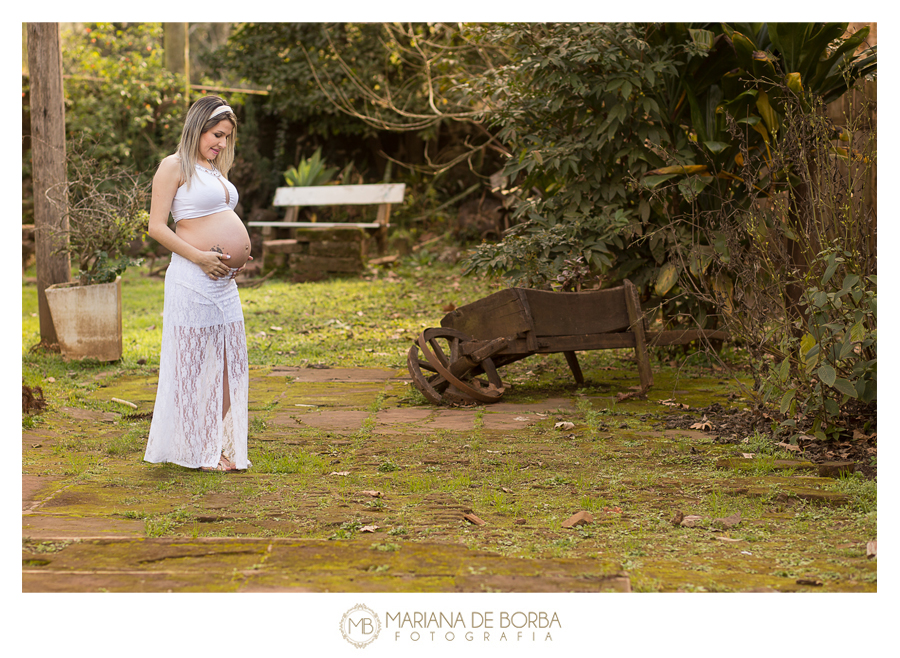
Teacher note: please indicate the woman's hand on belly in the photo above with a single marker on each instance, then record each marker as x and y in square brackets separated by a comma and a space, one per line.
[237, 271]
[214, 263]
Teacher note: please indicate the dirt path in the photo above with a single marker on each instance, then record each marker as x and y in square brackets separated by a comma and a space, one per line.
[359, 486]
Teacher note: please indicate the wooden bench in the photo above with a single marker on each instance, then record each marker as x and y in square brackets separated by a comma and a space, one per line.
[382, 195]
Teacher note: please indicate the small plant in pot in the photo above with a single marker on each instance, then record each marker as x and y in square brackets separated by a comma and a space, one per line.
[106, 211]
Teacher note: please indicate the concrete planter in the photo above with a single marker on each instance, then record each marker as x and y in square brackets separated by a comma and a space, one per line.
[87, 319]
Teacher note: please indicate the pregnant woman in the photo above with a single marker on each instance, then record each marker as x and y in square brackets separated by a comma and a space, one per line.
[200, 416]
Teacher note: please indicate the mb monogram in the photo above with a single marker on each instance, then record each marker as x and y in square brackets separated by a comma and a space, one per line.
[360, 626]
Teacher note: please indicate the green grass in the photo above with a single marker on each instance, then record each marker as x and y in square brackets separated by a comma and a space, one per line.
[350, 322]
[631, 483]
[297, 462]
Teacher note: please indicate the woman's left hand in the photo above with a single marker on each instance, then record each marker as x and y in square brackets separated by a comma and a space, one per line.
[241, 268]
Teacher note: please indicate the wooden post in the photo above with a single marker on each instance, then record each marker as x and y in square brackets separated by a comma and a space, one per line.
[176, 44]
[383, 219]
[48, 157]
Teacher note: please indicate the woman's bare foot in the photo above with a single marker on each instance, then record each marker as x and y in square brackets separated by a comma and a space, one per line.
[224, 466]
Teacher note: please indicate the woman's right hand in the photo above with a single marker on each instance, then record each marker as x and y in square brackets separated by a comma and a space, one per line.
[213, 264]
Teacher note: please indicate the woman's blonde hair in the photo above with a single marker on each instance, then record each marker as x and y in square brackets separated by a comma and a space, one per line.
[199, 121]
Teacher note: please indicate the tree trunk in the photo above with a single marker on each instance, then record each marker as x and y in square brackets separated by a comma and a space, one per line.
[48, 156]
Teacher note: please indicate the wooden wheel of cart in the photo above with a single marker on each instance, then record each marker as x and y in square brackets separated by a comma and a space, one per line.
[450, 368]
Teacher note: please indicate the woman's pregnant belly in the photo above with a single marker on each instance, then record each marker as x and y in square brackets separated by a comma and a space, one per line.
[222, 232]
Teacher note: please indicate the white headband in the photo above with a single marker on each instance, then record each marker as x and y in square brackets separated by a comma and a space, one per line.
[220, 109]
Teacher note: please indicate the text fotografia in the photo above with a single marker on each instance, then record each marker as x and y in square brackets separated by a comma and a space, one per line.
[479, 626]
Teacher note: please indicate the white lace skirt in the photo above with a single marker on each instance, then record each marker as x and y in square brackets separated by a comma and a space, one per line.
[203, 334]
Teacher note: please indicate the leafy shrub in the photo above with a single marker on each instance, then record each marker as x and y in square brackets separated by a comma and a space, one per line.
[802, 257]
[837, 356]
[119, 94]
[579, 106]
[635, 124]
[311, 171]
[106, 213]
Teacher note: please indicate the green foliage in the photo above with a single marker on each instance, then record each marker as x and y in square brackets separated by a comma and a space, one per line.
[311, 171]
[105, 269]
[106, 212]
[835, 362]
[538, 253]
[635, 124]
[588, 110]
[578, 107]
[275, 55]
[803, 260]
[369, 94]
[120, 95]
[354, 78]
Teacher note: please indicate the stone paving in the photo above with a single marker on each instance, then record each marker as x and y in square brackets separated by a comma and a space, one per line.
[76, 538]
[59, 516]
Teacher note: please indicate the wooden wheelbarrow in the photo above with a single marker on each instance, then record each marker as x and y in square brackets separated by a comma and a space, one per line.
[513, 324]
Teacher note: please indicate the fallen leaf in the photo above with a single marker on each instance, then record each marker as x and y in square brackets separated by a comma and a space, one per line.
[275, 328]
[678, 518]
[373, 494]
[788, 446]
[614, 510]
[521, 418]
[702, 425]
[339, 473]
[449, 307]
[51, 379]
[564, 425]
[809, 581]
[748, 455]
[471, 518]
[505, 490]
[728, 539]
[369, 528]
[729, 521]
[577, 519]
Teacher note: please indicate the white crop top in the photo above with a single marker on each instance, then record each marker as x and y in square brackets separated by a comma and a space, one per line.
[210, 193]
